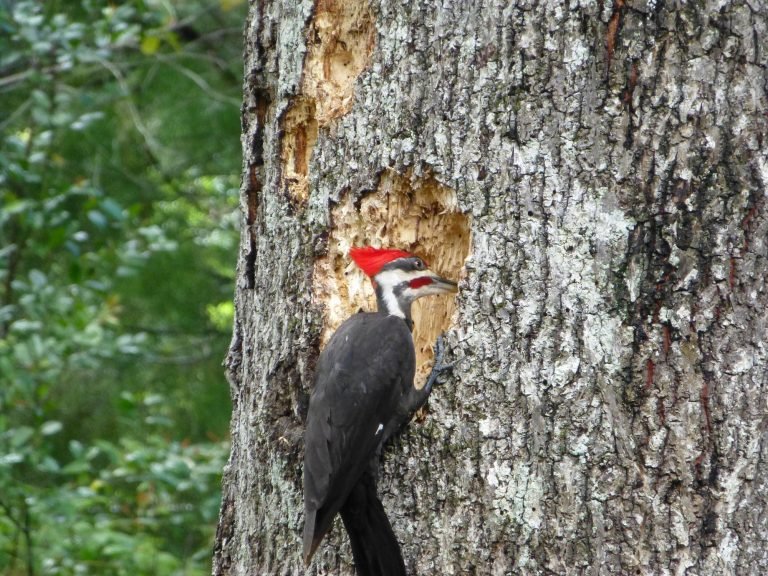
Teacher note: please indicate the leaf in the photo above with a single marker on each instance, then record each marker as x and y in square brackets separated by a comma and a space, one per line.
[37, 278]
[51, 427]
[221, 315]
[19, 436]
[97, 218]
[27, 326]
[10, 459]
[113, 209]
[16, 207]
[227, 5]
[149, 45]
[153, 399]
[76, 448]
[49, 464]
[76, 467]
[7, 312]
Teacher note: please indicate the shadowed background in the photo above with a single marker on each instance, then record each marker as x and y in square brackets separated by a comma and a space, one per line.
[119, 168]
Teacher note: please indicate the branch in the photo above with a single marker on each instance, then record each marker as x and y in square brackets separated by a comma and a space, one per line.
[200, 81]
[151, 143]
[28, 537]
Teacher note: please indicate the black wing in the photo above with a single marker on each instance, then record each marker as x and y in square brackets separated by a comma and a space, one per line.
[363, 374]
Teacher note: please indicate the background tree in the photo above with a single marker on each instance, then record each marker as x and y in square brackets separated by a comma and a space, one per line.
[602, 167]
[118, 171]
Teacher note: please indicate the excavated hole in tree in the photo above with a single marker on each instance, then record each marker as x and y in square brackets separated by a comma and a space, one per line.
[417, 215]
[341, 40]
[299, 137]
[340, 44]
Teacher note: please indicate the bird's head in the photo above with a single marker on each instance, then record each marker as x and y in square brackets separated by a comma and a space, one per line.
[399, 278]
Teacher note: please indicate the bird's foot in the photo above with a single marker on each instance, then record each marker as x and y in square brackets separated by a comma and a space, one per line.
[419, 395]
[439, 366]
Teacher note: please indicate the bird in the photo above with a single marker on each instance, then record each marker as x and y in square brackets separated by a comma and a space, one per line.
[363, 394]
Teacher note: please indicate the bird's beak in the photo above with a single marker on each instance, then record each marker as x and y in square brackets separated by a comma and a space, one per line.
[443, 285]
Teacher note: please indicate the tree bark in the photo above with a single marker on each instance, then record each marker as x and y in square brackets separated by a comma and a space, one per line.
[596, 173]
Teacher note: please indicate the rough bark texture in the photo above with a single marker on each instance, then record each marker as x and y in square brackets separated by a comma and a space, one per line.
[608, 161]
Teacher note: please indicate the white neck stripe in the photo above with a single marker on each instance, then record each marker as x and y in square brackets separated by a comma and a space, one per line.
[390, 302]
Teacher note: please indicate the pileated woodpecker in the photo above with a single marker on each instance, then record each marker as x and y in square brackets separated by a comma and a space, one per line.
[363, 394]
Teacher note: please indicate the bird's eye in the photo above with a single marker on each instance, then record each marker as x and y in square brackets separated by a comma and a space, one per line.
[419, 265]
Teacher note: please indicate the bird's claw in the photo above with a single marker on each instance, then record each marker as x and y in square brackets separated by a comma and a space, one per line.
[438, 367]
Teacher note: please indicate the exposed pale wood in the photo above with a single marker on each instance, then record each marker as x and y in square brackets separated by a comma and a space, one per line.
[419, 216]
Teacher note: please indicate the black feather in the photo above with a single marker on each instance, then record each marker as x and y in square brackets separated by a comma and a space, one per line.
[374, 546]
[363, 394]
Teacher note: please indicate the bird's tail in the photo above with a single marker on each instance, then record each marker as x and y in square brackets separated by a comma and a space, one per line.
[374, 546]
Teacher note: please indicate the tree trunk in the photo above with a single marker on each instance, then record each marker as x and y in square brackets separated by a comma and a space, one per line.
[596, 174]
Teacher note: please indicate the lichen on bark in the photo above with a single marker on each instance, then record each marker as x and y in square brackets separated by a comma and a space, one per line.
[607, 413]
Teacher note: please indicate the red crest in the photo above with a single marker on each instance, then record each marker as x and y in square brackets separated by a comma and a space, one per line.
[372, 260]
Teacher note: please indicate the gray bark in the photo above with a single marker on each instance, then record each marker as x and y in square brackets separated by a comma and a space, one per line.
[608, 160]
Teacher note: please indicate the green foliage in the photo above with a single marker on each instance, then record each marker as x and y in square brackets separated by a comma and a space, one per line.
[119, 155]
[131, 506]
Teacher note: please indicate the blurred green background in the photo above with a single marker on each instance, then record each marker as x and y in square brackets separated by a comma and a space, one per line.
[119, 169]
